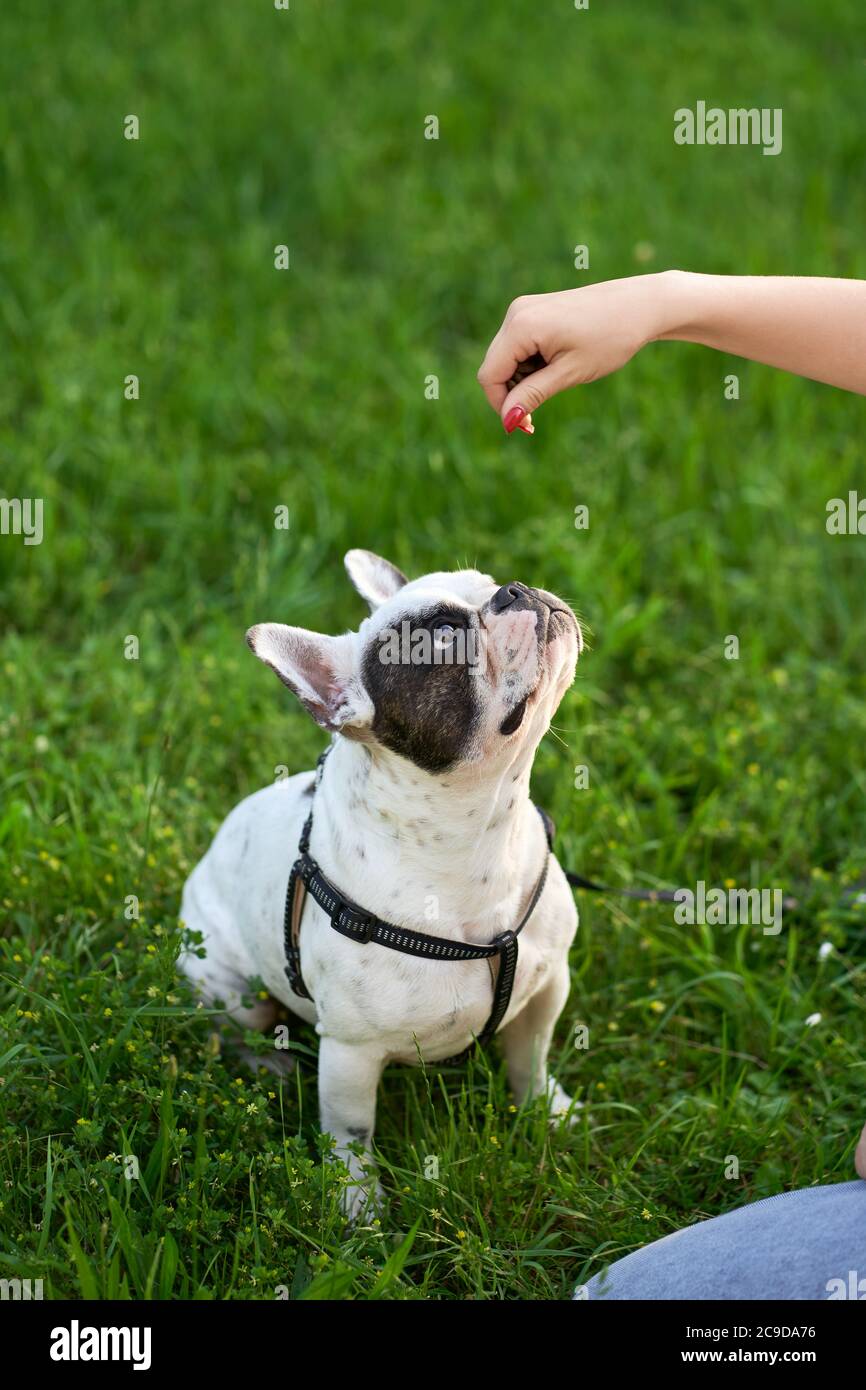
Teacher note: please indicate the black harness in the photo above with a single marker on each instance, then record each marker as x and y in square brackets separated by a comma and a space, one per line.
[350, 920]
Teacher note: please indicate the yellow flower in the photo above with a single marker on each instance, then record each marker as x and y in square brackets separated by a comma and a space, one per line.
[647, 1215]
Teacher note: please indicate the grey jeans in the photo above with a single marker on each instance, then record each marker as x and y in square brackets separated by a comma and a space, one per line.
[809, 1244]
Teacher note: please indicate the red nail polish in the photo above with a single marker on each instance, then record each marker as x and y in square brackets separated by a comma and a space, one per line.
[513, 418]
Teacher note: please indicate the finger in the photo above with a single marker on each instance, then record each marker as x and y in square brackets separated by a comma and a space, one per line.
[533, 391]
[495, 394]
[503, 355]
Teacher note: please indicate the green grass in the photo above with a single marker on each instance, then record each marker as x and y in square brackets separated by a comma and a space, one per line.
[306, 389]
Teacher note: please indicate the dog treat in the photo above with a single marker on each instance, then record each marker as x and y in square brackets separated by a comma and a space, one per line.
[526, 368]
[521, 371]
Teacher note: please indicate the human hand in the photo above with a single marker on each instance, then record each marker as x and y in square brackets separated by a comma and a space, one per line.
[812, 326]
[574, 337]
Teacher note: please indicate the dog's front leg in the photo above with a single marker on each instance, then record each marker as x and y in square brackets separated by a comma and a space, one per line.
[348, 1079]
[526, 1041]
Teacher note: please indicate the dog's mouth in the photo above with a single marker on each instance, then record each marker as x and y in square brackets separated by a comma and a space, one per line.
[558, 620]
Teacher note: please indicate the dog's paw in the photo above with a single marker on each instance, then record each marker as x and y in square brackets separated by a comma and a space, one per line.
[560, 1106]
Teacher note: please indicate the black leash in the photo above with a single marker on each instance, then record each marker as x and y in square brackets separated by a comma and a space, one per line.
[347, 918]
[646, 895]
[669, 895]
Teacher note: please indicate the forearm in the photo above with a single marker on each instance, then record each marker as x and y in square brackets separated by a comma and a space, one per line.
[813, 327]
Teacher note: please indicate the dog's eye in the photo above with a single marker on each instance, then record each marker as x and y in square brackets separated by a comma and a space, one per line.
[445, 623]
[444, 634]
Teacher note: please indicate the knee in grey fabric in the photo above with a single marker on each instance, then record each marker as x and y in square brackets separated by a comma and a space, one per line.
[804, 1245]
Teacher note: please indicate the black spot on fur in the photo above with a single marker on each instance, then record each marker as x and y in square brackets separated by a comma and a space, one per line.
[427, 712]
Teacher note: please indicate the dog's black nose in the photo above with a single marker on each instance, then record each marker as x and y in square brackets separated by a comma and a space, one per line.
[504, 597]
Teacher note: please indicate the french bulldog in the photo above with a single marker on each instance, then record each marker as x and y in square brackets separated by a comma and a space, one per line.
[436, 706]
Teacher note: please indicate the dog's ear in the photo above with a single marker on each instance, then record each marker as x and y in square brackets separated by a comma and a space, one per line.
[375, 579]
[320, 670]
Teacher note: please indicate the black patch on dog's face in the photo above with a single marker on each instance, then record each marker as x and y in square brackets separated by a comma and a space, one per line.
[426, 712]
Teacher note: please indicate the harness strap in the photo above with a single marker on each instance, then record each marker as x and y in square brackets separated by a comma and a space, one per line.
[351, 920]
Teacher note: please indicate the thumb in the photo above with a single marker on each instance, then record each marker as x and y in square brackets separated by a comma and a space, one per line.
[530, 393]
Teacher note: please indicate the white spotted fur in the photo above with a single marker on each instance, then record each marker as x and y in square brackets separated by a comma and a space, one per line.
[454, 854]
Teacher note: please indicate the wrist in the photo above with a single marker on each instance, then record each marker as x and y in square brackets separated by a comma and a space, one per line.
[676, 300]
